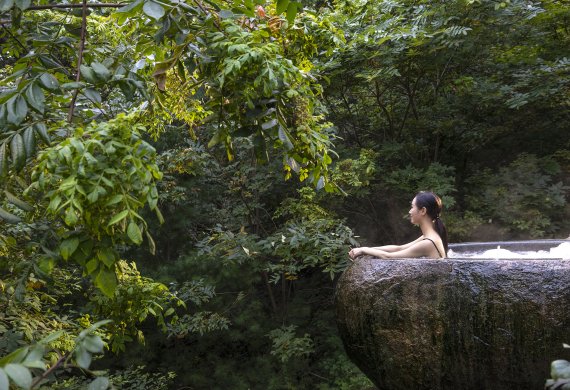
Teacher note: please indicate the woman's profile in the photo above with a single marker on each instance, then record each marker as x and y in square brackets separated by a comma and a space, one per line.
[425, 212]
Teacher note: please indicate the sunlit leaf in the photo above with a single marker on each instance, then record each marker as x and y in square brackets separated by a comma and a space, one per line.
[154, 10]
[134, 233]
[281, 6]
[106, 281]
[68, 246]
[119, 217]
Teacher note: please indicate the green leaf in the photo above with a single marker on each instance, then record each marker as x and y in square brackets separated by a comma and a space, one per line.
[93, 344]
[17, 109]
[9, 217]
[119, 217]
[134, 233]
[49, 81]
[72, 85]
[226, 14]
[107, 255]
[51, 337]
[68, 246]
[46, 265]
[19, 374]
[70, 217]
[3, 160]
[91, 266]
[284, 137]
[269, 124]
[101, 71]
[282, 6]
[92, 95]
[72, 28]
[17, 151]
[114, 199]
[154, 10]
[34, 356]
[23, 4]
[100, 383]
[4, 383]
[151, 244]
[16, 356]
[130, 7]
[17, 202]
[5, 5]
[88, 74]
[82, 358]
[292, 11]
[106, 281]
[35, 97]
[29, 141]
[41, 129]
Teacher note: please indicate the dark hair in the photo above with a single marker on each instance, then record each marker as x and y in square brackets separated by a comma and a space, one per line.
[433, 206]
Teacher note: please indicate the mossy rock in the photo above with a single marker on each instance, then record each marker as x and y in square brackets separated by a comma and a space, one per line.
[455, 324]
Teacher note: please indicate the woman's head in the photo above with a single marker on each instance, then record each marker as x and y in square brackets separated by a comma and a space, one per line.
[431, 202]
[433, 206]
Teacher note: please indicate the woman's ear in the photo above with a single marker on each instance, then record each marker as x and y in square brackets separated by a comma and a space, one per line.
[423, 211]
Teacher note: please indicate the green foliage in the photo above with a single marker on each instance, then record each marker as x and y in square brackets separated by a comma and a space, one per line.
[95, 182]
[449, 96]
[134, 299]
[287, 346]
[353, 175]
[436, 177]
[140, 378]
[523, 195]
[21, 365]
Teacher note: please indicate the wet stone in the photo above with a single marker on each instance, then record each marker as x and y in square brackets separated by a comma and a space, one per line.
[455, 324]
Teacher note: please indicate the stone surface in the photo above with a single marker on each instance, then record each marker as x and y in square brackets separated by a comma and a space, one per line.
[455, 324]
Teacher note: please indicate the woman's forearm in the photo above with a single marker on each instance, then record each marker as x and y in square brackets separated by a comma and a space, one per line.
[375, 252]
[388, 248]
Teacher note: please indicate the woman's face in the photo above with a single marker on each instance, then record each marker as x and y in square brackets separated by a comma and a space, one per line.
[415, 213]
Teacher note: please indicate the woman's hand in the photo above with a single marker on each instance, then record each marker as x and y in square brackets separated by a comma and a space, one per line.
[356, 252]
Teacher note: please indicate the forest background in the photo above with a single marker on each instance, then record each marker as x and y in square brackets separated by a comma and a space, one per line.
[196, 172]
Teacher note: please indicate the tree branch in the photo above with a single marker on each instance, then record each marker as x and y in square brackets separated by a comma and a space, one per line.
[65, 6]
[79, 59]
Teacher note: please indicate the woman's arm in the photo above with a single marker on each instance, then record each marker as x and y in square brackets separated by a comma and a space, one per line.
[395, 248]
[416, 249]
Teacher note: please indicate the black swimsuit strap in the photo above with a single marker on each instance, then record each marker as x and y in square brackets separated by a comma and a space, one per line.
[438, 252]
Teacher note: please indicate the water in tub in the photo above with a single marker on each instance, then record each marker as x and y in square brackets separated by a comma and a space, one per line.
[561, 251]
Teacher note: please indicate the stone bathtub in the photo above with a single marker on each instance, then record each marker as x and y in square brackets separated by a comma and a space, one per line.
[456, 323]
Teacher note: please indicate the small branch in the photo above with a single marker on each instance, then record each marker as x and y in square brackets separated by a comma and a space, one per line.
[50, 370]
[14, 37]
[65, 6]
[79, 59]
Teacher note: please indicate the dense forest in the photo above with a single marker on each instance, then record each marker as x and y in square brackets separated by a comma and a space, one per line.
[182, 180]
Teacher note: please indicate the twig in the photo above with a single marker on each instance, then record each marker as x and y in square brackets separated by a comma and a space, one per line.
[50, 370]
[90, 5]
[79, 59]
[14, 37]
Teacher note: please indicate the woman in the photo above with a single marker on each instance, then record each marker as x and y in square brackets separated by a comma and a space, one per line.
[425, 212]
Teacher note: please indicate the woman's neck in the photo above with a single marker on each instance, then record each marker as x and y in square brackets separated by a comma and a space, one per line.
[427, 228]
